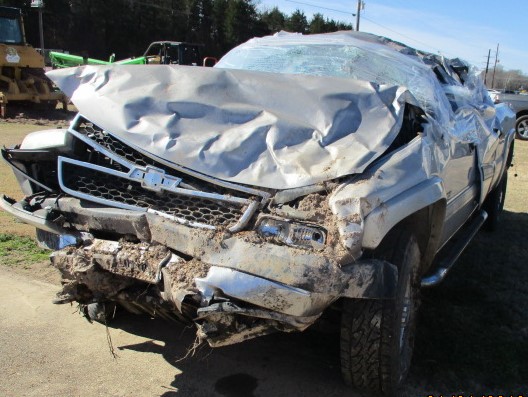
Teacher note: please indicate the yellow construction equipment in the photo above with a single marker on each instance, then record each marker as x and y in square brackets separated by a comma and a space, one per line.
[22, 75]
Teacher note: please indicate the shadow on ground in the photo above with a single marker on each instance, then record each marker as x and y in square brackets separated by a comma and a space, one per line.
[39, 114]
[307, 362]
[472, 336]
[473, 328]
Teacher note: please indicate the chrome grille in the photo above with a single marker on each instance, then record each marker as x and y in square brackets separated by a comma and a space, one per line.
[117, 147]
[105, 170]
[109, 187]
[135, 157]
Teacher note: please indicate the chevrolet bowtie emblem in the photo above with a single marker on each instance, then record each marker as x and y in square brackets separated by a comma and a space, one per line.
[155, 179]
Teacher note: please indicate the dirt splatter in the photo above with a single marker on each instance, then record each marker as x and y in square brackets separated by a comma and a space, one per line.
[83, 280]
[140, 261]
[251, 237]
[182, 274]
[316, 204]
[127, 272]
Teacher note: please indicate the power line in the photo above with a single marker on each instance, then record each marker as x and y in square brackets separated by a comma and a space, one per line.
[322, 8]
[375, 23]
[368, 19]
[417, 41]
[404, 35]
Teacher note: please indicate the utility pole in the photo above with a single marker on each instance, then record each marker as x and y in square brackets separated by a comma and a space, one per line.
[360, 6]
[40, 5]
[495, 67]
[487, 67]
[41, 30]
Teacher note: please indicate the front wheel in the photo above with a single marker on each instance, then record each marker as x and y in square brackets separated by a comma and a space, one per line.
[521, 128]
[377, 336]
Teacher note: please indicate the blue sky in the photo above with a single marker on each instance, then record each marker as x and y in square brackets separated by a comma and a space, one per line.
[463, 28]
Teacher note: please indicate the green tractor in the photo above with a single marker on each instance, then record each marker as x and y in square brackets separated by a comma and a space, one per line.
[158, 52]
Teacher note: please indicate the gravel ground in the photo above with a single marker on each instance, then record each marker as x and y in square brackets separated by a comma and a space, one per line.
[50, 350]
[32, 114]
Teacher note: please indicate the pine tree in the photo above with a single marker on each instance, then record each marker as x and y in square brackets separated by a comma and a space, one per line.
[274, 20]
[297, 22]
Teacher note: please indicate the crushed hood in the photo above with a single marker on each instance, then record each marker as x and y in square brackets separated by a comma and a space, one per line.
[269, 130]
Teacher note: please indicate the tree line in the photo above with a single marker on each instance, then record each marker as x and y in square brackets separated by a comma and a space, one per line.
[98, 28]
[510, 80]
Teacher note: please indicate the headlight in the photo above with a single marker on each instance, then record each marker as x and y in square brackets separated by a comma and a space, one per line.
[292, 233]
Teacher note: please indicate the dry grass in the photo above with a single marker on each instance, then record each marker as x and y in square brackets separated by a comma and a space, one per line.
[517, 196]
[473, 328]
[12, 134]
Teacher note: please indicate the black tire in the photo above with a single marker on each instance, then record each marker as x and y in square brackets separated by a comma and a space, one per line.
[377, 336]
[494, 203]
[521, 128]
[101, 312]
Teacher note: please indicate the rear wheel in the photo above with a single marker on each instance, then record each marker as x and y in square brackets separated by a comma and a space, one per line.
[377, 336]
[521, 128]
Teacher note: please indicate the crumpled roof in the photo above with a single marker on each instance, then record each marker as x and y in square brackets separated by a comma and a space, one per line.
[349, 54]
[272, 130]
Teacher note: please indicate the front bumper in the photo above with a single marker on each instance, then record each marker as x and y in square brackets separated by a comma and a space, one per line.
[233, 286]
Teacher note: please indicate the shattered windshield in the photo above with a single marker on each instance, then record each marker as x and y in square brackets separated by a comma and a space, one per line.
[379, 65]
[317, 60]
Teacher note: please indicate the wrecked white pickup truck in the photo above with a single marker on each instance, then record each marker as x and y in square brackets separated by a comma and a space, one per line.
[302, 173]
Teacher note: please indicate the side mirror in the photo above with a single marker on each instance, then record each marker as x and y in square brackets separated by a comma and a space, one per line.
[209, 62]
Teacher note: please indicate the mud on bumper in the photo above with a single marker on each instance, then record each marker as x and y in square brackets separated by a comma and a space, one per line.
[233, 286]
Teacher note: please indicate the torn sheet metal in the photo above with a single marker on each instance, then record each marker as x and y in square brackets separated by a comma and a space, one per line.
[226, 323]
[227, 305]
[270, 130]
